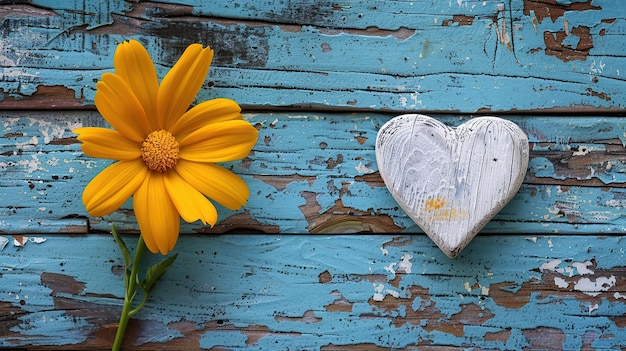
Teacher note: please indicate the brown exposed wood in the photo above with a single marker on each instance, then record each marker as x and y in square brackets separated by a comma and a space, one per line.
[8, 319]
[555, 45]
[325, 277]
[340, 304]
[358, 347]
[544, 338]
[558, 283]
[280, 183]
[240, 223]
[341, 219]
[510, 295]
[400, 34]
[554, 9]
[501, 336]
[61, 284]
[56, 97]
[461, 20]
[307, 317]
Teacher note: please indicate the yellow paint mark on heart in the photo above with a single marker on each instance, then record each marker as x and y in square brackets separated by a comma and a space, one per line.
[435, 210]
[434, 204]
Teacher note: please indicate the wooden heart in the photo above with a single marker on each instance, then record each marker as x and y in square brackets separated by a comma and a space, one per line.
[451, 181]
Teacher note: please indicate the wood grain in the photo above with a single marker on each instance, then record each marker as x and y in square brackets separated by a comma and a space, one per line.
[450, 56]
[317, 173]
[451, 181]
[319, 80]
[319, 292]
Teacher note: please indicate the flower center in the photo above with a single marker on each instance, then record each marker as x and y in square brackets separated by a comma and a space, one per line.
[160, 151]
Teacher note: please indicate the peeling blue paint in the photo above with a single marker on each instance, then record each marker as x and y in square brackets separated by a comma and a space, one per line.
[338, 58]
[250, 282]
[325, 154]
[546, 272]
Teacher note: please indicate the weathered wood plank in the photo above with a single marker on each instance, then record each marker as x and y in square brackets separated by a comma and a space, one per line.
[314, 292]
[316, 172]
[464, 56]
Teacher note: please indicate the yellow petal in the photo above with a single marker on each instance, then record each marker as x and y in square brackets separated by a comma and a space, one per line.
[182, 83]
[189, 202]
[219, 142]
[113, 186]
[120, 107]
[158, 219]
[133, 64]
[107, 143]
[210, 111]
[219, 184]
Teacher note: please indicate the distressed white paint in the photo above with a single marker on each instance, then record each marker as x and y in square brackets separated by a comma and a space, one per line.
[391, 268]
[451, 181]
[594, 288]
[378, 292]
[360, 168]
[560, 282]
[20, 241]
[593, 307]
[581, 267]
[405, 264]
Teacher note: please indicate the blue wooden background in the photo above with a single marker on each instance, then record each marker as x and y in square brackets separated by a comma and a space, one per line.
[339, 266]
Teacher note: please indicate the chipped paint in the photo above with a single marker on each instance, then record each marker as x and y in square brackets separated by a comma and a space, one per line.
[581, 267]
[405, 264]
[450, 311]
[501, 27]
[289, 165]
[551, 266]
[543, 45]
[379, 291]
[3, 242]
[360, 168]
[20, 240]
[595, 287]
[560, 282]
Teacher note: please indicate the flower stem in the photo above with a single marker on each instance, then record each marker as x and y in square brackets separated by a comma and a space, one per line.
[131, 290]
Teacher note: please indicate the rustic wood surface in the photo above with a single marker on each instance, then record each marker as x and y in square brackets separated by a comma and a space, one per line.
[462, 55]
[319, 79]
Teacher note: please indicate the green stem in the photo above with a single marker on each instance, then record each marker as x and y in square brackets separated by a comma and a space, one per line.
[131, 289]
[140, 306]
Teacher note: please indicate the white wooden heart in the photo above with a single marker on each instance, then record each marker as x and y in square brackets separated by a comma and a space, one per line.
[451, 181]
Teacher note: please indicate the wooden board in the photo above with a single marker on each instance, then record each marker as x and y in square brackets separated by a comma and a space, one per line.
[457, 56]
[315, 292]
[319, 79]
[317, 173]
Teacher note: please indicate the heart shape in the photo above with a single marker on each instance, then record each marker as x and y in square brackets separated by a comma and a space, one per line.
[451, 181]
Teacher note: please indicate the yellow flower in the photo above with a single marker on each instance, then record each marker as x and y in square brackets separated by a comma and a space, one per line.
[165, 153]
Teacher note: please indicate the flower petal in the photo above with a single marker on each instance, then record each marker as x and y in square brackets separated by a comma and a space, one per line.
[189, 202]
[133, 64]
[113, 186]
[120, 107]
[207, 112]
[182, 83]
[218, 183]
[107, 143]
[219, 142]
[158, 219]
